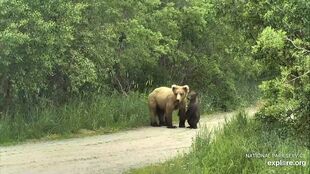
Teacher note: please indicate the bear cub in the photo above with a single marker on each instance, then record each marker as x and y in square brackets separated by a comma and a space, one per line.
[193, 112]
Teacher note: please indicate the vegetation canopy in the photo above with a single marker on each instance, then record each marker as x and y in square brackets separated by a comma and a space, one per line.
[57, 55]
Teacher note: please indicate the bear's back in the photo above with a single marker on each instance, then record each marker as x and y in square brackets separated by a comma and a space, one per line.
[161, 95]
[163, 92]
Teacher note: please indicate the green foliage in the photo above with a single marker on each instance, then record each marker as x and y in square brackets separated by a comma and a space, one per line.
[270, 39]
[287, 99]
[277, 36]
[100, 113]
[57, 50]
[39, 56]
[286, 95]
[57, 54]
[227, 152]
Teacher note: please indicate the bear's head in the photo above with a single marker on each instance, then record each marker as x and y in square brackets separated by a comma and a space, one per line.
[180, 92]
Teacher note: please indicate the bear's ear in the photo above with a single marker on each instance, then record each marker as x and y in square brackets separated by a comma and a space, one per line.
[174, 87]
[186, 88]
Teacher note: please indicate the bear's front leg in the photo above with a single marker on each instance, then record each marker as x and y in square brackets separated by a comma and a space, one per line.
[161, 116]
[182, 117]
[169, 120]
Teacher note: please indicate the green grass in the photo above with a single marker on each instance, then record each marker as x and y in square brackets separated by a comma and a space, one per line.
[227, 152]
[79, 118]
[100, 114]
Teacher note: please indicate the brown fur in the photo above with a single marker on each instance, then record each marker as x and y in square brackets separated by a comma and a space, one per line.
[193, 112]
[163, 101]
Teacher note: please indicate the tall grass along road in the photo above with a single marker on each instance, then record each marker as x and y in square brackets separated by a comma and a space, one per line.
[113, 153]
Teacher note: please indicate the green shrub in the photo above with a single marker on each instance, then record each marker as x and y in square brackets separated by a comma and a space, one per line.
[287, 97]
[230, 150]
[103, 113]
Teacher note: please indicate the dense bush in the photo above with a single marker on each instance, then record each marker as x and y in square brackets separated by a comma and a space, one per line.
[283, 45]
[57, 50]
[276, 36]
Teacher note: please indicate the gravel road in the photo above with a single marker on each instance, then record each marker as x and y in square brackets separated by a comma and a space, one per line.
[104, 154]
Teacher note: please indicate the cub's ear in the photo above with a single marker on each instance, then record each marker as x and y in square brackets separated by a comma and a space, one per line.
[186, 88]
[194, 94]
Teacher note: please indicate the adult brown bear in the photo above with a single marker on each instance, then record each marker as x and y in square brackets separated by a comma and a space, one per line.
[163, 101]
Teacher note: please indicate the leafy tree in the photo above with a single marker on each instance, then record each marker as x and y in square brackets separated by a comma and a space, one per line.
[56, 50]
[284, 45]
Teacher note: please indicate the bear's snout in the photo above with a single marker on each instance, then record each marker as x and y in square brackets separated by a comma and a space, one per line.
[179, 98]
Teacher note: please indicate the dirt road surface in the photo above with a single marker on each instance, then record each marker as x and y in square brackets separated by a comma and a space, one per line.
[104, 154]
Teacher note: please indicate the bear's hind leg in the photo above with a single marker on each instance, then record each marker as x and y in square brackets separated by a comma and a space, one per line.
[153, 114]
[154, 120]
[161, 117]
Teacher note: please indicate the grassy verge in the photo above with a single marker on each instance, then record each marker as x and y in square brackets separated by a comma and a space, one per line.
[242, 146]
[81, 117]
[100, 114]
[78, 118]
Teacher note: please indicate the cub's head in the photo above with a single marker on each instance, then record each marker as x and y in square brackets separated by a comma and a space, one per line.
[180, 92]
[192, 96]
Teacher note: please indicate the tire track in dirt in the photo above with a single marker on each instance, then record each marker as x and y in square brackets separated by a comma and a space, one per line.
[112, 153]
